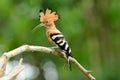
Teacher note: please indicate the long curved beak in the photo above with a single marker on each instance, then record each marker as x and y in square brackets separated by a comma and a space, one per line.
[38, 26]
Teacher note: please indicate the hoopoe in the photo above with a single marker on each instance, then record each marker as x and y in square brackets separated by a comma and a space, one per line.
[54, 35]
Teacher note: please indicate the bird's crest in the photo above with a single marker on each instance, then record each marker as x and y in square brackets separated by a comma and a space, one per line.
[48, 15]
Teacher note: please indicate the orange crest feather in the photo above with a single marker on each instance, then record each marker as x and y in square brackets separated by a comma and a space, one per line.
[48, 16]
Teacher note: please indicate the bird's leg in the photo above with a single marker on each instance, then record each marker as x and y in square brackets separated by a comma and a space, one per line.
[67, 63]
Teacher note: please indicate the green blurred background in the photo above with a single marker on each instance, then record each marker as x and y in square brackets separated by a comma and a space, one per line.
[92, 28]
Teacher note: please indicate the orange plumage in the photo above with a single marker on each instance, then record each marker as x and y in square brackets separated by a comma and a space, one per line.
[48, 16]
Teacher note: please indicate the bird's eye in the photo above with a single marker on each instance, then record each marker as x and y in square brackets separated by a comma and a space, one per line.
[47, 21]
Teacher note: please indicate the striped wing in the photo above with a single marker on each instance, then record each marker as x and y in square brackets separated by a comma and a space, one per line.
[60, 41]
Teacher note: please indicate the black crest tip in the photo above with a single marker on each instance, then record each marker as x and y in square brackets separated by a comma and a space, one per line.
[58, 15]
[49, 8]
[41, 11]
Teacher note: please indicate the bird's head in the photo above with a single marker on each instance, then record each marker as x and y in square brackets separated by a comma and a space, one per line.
[47, 19]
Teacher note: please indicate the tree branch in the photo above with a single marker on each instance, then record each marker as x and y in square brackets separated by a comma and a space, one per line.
[14, 72]
[6, 56]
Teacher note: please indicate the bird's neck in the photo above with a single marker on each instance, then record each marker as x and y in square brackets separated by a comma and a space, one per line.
[52, 29]
[51, 26]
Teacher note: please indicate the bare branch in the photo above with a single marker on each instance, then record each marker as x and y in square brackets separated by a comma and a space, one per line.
[14, 72]
[86, 72]
[42, 49]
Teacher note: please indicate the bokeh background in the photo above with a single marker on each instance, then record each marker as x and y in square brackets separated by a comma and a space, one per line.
[92, 28]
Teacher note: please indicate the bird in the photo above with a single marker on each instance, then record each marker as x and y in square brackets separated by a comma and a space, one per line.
[55, 36]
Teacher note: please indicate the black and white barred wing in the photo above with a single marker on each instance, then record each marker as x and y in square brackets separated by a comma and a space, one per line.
[60, 41]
